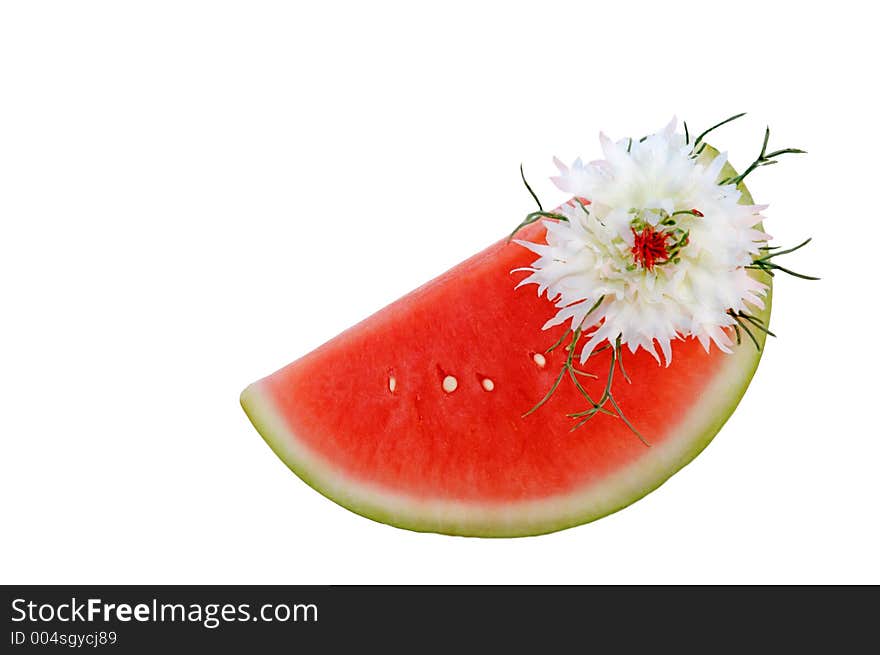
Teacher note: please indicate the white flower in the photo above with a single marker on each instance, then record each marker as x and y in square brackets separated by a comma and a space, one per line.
[657, 239]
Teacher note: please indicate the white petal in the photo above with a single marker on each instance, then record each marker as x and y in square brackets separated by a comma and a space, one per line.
[589, 255]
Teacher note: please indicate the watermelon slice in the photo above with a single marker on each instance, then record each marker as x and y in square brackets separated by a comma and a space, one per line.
[414, 417]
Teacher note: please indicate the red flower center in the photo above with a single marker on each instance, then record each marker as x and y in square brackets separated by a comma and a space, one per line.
[650, 247]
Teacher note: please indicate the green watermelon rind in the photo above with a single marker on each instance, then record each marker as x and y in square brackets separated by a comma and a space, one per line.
[531, 517]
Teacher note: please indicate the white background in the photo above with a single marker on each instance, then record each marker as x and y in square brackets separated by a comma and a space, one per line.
[194, 194]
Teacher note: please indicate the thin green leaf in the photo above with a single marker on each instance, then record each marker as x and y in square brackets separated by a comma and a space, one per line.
[782, 252]
[559, 343]
[620, 362]
[757, 323]
[716, 126]
[532, 193]
[626, 420]
[547, 396]
[534, 216]
[746, 330]
[770, 265]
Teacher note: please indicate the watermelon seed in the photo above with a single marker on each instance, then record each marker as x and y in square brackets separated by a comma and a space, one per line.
[450, 384]
[540, 360]
[488, 385]
[392, 384]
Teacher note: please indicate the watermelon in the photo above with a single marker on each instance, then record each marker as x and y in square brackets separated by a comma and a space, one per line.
[415, 416]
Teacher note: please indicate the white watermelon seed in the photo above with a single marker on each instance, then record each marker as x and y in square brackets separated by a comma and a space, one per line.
[540, 360]
[450, 384]
[488, 385]
[392, 384]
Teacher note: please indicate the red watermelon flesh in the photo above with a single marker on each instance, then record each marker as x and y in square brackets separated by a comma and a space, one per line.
[414, 417]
